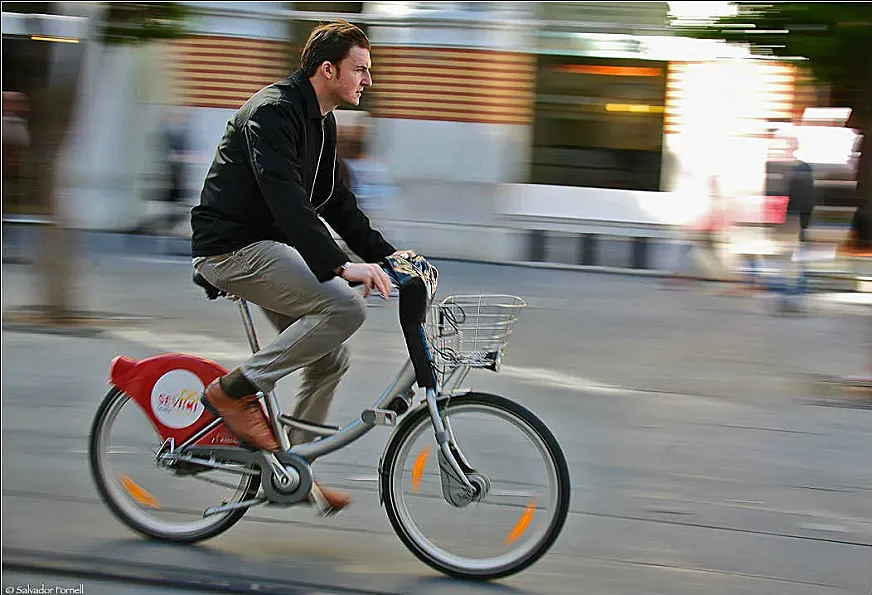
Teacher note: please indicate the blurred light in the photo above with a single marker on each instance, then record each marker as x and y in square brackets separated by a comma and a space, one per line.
[634, 108]
[608, 70]
[396, 9]
[837, 115]
[825, 145]
[706, 12]
[55, 39]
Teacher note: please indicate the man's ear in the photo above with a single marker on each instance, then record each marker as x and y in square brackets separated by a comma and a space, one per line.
[328, 70]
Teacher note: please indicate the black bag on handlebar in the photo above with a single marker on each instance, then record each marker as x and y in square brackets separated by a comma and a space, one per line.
[417, 281]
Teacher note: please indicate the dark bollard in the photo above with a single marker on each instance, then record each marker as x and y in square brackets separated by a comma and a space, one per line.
[640, 253]
[537, 246]
[587, 249]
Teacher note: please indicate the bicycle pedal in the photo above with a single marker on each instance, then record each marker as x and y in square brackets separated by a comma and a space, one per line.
[379, 417]
[317, 498]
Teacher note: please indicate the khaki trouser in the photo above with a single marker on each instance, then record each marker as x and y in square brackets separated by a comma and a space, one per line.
[313, 320]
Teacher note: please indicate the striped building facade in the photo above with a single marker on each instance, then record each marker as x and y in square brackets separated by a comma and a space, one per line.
[447, 84]
[223, 72]
[454, 85]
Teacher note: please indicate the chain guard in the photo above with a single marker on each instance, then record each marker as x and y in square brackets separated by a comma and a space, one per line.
[277, 495]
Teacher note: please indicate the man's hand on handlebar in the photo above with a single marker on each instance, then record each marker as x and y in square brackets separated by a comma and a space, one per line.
[372, 276]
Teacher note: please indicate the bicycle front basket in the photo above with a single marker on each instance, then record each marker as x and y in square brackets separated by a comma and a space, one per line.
[471, 330]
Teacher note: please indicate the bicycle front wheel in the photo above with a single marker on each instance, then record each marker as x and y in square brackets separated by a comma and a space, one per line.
[524, 505]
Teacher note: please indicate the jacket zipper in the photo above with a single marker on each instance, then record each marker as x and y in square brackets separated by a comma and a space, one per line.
[318, 166]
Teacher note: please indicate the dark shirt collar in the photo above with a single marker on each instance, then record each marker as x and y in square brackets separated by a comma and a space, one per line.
[313, 110]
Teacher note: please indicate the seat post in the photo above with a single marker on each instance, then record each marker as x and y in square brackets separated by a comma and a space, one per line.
[249, 325]
[272, 403]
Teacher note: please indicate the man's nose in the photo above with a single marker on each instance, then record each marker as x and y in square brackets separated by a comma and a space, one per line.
[367, 80]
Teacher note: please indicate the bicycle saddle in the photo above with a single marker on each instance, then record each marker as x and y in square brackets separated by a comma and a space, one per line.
[212, 292]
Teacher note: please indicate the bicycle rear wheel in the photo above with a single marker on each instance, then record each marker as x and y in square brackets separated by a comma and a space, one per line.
[148, 497]
[524, 507]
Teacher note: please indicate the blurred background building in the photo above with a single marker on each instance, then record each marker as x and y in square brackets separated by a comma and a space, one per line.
[568, 132]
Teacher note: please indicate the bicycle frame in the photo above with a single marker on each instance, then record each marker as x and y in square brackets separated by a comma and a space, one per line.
[336, 438]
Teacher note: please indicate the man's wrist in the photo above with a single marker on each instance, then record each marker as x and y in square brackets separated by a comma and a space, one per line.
[341, 270]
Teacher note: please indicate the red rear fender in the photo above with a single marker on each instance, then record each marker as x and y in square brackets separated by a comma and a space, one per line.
[167, 388]
[121, 367]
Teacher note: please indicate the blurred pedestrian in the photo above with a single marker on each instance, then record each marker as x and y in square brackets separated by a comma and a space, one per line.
[371, 181]
[175, 154]
[364, 174]
[792, 234]
[699, 248]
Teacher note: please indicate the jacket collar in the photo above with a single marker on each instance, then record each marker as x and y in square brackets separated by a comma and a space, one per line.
[313, 110]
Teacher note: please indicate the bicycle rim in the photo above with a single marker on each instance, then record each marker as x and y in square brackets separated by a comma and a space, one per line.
[521, 514]
[148, 497]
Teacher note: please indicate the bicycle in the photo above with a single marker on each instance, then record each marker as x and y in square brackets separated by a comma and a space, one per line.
[445, 340]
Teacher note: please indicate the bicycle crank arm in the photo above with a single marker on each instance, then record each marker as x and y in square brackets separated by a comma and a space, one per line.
[317, 496]
[228, 507]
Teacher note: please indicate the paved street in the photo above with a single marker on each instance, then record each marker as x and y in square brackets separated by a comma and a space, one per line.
[703, 458]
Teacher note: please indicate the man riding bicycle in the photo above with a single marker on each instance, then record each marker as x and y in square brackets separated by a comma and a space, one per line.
[257, 235]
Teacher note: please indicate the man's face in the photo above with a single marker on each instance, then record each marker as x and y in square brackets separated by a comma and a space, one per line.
[353, 76]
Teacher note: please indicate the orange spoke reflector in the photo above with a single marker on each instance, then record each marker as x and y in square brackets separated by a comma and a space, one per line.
[139, 494]
[524, 523]
[418, 470]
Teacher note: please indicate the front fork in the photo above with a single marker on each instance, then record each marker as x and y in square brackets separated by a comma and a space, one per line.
[461, 484]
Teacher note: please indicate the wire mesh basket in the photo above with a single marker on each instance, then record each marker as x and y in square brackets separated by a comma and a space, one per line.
[471, 330]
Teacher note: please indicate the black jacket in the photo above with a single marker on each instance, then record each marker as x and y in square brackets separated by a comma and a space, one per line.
[273, 174]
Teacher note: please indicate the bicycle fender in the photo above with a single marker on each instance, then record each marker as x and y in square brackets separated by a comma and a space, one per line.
[397, 433]
[167, 388]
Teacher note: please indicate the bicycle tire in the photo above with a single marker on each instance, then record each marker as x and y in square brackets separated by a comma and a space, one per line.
[222, 523]
[389, 467]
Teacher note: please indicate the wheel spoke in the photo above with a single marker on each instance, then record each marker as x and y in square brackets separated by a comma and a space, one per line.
[511, 494]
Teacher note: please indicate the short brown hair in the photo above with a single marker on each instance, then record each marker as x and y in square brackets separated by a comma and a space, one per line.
[331, 43]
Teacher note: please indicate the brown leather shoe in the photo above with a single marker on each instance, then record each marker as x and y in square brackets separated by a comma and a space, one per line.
[243, 416]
